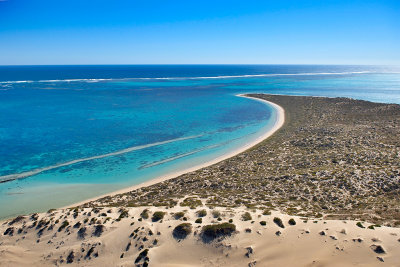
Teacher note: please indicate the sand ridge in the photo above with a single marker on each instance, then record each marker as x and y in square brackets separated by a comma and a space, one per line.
[112, 239]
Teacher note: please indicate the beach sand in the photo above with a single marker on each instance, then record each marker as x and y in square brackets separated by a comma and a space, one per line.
[311, 242]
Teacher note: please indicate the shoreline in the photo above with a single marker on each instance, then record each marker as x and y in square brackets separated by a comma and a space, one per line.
[280, 120]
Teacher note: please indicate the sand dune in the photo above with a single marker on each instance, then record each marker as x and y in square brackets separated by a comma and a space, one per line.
[110, 241]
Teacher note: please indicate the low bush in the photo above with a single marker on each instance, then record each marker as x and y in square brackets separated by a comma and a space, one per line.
[157, 216]
[63, 225]
[216, 213]
[266, 212]
[182, 230]
[179, 215]
[279, 222]
[98, 230]
[191, 202]
[246, 216]
[213, 231]
[145, 214]
[201, 213]
[359, 224]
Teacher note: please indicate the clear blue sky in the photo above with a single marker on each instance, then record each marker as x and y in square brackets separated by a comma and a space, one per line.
[203, 31]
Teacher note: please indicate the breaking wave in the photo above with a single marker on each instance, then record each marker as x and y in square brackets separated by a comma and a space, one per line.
[191, 78]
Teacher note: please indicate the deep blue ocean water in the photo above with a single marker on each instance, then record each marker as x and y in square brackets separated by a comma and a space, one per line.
[69, 133]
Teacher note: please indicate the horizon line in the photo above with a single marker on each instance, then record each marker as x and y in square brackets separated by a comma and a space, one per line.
[197, 64]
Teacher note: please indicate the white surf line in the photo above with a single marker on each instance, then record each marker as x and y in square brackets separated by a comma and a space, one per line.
[11, 177]
[178, 157]
[189, 153]
[194, 78]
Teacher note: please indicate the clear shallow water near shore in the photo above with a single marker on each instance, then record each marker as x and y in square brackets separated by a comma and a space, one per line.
[76, 132]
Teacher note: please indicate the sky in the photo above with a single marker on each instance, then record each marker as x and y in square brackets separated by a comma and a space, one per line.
[47, 32]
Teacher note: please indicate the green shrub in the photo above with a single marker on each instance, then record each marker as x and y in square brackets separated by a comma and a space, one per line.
[266, 212]
[123, 214]
[145, 214]
[279, 222]
[359, 224]
[96, 210]
[246, 216]
[182, 230]
[230, 221]
[191, 202]
[198, 220]
[216, 213]
[292, 221]
[217, 230]
[263, 223]
[157, 216]
[63, 225]
[179, 215]
[201, 213]
[372, 226]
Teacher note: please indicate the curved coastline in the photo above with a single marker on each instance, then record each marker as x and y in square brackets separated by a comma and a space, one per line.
[280, 120]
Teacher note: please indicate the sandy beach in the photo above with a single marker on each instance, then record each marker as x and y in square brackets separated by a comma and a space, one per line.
[280, 120]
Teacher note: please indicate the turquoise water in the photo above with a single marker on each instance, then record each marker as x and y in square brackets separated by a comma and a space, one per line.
[69, 133]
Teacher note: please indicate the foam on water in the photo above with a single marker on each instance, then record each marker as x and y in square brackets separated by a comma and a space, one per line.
[192, 78]
[11, 177]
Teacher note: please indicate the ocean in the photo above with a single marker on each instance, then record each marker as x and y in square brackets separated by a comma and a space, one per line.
[69, 133]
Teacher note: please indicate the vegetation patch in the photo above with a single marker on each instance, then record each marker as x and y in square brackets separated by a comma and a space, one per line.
[201, 213]
[213, 231]
[191, 202]
[216, 213]
[182, 230]
[178, 215]
[246, 216]
[359, 224]
[16, 220]
[145, 214]
[98, 230]
[266, 212]
[279, 222]
[63, 225]
[157, 216]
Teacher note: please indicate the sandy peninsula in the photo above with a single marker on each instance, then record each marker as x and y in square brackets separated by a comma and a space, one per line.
[323, 190]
